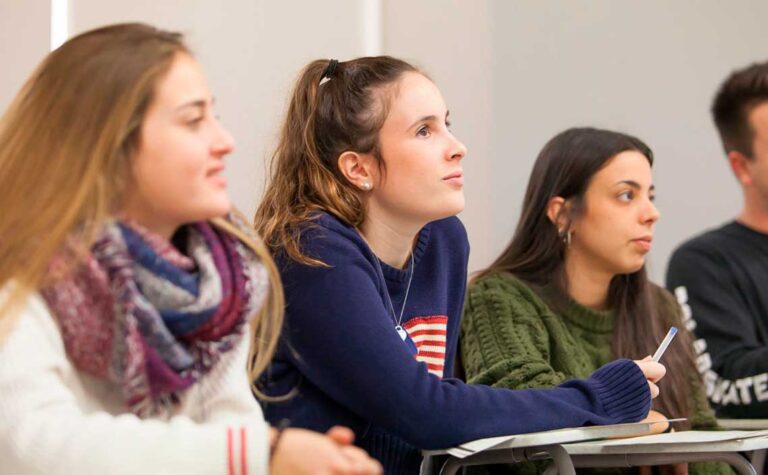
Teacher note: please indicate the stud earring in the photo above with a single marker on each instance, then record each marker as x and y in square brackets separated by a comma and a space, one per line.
[565, 236]
[366, 186]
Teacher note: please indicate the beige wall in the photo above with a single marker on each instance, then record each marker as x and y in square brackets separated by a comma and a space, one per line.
[517, 72]
[25, 27]
[648, 68]
[251, 51]
[451, 42]
[513, 72]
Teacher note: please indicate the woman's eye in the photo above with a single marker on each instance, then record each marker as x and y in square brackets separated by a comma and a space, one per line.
[194, 122]
[626, 196]
[423, 131]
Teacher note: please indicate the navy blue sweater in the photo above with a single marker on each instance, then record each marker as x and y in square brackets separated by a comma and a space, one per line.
[341, 353]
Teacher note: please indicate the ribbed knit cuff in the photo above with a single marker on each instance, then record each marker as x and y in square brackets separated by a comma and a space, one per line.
[396, 456]
[623, 390]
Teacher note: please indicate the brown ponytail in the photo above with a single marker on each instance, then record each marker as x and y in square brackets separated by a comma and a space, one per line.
[345, 113]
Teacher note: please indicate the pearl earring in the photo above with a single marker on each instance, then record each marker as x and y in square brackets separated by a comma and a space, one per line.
[366, 186]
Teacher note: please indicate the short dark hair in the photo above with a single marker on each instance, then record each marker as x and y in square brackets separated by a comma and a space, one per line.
[738, 95]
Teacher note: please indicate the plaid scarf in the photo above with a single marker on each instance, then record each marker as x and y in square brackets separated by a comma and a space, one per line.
[142, 315]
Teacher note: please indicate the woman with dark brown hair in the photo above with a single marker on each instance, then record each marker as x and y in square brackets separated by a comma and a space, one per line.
[570, 292]
[360, 213]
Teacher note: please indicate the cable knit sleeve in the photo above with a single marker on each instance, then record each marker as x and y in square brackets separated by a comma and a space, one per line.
[504, 342]
[51, 421]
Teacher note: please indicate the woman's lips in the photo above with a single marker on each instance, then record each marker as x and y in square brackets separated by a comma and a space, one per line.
[644, 243]
[455, 179]
[216, 177]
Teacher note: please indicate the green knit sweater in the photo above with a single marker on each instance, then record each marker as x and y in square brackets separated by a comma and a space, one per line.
[511, 338]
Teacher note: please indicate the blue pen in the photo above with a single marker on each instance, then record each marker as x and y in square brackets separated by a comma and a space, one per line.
[665, 343]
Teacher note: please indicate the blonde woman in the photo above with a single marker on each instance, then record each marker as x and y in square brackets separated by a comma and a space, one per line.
[129, 287]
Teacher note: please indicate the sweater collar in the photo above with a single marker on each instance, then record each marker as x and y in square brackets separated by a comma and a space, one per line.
[583, 317]
[391, 274]
[394, 274]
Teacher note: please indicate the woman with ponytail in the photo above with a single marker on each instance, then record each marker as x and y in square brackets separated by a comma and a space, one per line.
[129, 288]
[359, 212]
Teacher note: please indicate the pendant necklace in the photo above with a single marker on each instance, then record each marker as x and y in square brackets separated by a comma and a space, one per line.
[399, 319]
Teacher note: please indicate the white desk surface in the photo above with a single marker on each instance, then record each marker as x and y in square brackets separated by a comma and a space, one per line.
[579, 447]
[559, 436]
[675, 442]
[743, 424]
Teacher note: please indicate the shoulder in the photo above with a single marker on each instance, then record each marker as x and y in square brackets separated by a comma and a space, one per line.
[445, 238]
[31, 341]
[703, 256]
[502, 282]
[443, 245]
[28, 326]
[451, 227]
[329, 240]
[707, 243]
[327, 228]
[504, 288]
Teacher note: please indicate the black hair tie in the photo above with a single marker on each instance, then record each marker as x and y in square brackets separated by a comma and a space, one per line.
[329, 70]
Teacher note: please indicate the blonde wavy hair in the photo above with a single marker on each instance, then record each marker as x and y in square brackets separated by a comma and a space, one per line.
[66, 146]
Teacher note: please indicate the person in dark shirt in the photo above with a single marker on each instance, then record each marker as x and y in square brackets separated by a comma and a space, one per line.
[720, 276]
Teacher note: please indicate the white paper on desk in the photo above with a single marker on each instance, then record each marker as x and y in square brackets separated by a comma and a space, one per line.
[683, 437]
[472, 447]
[556, 436]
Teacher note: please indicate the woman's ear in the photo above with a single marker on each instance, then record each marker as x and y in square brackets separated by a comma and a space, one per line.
[358, 169]
[556, 211]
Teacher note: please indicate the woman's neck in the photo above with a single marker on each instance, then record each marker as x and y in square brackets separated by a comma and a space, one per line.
[586, 283]
[391, 240]
[150, 222]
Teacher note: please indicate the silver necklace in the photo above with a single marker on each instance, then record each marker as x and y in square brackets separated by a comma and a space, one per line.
[398, 319]
[398, 327]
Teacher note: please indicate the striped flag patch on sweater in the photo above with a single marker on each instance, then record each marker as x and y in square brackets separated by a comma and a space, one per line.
[429, 335]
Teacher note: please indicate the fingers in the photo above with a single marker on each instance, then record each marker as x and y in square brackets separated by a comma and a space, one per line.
[354, 461]
[654, 389]
[361, 463]
[341, 435]
[652, 370]
[659, 422]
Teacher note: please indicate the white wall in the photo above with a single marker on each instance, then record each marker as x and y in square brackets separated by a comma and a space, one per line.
[514, 73]
[452, 42]
[647, 68]
[25, 27]
[251, 51]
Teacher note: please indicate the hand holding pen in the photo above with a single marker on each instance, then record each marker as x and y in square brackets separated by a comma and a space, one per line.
[650, 366]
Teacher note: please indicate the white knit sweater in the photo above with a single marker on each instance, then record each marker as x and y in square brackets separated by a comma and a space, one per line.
[57, 420]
